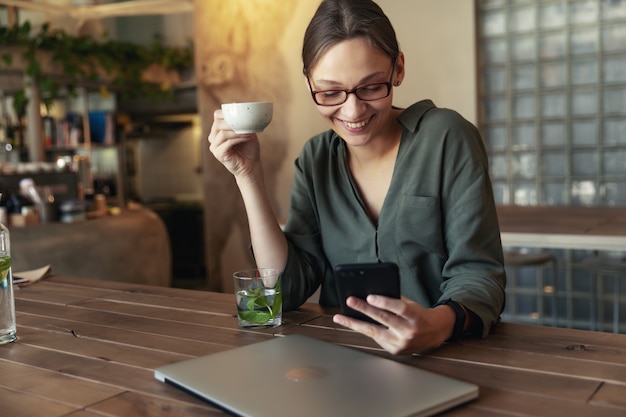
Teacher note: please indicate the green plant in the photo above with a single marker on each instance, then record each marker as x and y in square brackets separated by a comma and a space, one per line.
[83, 59]
[20, 101]
[5, 264]
[259, 309]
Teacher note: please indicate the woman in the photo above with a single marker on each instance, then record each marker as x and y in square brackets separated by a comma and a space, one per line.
[382, 185]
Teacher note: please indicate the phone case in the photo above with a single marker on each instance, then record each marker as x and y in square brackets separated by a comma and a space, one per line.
[362, 279]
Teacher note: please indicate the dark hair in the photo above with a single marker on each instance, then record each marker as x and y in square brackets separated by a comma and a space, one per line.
[339, 20]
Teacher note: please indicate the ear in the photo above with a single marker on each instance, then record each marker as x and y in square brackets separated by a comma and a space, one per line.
[400, 70]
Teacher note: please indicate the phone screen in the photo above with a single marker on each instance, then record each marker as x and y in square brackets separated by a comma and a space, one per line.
[362, 279]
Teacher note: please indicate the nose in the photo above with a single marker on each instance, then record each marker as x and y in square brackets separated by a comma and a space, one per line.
[352, 107]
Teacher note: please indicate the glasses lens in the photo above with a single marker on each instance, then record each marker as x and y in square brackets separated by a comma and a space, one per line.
[330, 97]
[373, 91]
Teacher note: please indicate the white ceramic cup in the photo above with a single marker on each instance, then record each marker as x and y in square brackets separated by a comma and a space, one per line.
[246, 118]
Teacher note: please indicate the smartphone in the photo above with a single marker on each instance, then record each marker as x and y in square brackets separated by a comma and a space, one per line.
[362, 279]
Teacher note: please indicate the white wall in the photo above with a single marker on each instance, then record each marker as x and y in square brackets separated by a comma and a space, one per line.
[437, 37]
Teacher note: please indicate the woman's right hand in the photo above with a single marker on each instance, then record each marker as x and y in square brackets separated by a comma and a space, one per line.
[238, 153]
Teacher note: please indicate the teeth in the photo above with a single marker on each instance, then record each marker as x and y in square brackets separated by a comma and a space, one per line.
[356, 125]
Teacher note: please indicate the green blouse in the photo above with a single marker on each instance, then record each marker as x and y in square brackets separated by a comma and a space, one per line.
[438, 222]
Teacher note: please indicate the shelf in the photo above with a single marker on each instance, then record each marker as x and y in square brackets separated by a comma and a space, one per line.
[13, 74]
[79, 147]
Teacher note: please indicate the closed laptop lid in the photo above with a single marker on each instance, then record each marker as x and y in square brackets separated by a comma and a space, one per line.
[307, 377]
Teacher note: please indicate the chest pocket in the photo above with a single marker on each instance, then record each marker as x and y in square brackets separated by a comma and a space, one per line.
[419, 227]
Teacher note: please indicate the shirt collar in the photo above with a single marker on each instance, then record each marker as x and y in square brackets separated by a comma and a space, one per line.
[411, 117]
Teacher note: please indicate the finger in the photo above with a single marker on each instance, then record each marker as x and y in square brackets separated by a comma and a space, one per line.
[222, 134]
[217, 119]
[221, 145]
[369, 329]
[394, 314]
[220, 126]
[381, 335]
[216, 140]
[380, 314]
[218, 114]
[399, 307]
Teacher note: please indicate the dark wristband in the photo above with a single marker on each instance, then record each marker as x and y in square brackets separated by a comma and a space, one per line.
[459, 322]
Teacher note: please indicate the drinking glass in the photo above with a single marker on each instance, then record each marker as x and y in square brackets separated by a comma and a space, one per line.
[258, 297]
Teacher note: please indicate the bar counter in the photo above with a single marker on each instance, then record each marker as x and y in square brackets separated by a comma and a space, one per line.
[133, 246]
[89, 348]
[564, 227]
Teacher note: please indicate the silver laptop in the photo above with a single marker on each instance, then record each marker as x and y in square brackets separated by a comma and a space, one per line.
[307, 377]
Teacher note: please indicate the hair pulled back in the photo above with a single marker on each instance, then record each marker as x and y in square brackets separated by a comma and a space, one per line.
[340, 20]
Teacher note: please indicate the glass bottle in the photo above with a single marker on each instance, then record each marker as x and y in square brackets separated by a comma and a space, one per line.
[7, 303]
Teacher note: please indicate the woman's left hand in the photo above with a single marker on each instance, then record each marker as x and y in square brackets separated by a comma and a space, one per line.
[407, 327]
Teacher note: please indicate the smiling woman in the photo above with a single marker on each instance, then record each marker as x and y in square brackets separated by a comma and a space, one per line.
[383, 184]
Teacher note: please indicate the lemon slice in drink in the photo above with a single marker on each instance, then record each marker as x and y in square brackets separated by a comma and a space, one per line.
[5, 264]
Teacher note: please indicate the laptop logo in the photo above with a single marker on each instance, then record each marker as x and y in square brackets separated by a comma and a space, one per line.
[306, 374]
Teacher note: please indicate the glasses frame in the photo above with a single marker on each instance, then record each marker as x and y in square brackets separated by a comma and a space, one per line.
[354, 90]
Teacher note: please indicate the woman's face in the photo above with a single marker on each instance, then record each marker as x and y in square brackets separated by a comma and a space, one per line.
[351, 64]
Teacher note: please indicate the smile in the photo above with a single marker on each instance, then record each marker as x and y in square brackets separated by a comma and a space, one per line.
[356, 125]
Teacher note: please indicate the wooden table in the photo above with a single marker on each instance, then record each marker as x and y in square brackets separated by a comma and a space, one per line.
[590, 228]
[88, 348]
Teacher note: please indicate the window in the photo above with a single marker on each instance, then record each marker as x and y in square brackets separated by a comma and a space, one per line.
[552, 111]
[553, 100]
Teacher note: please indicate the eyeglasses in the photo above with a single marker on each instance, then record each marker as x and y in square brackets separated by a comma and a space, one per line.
[367, 92]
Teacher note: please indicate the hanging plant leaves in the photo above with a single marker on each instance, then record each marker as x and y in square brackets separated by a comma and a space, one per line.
[83, 59]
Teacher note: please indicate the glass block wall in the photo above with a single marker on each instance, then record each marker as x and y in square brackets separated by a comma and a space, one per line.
[552, 111]
[570, 295]
[553, 100]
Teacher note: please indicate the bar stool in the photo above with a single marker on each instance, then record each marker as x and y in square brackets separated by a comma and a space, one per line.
[599, 266]
[516, 258]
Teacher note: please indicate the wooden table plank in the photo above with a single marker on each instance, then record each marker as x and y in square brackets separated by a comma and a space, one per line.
[212, 305]
[83, 413]
[95, 348]
[466, 410]
[115, 286]
[98, 370]
[495, 377]
[205, 315]
[564, 342]
[511, 359]
[150, 325]
[99, 333]
[132, 404]
[611, 395]
[17, 404]
[219, 315]
[54, 294]
[521, 404]
[45, 384]
[573, 352]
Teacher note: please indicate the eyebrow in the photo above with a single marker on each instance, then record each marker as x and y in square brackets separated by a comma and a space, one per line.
[363, 81]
